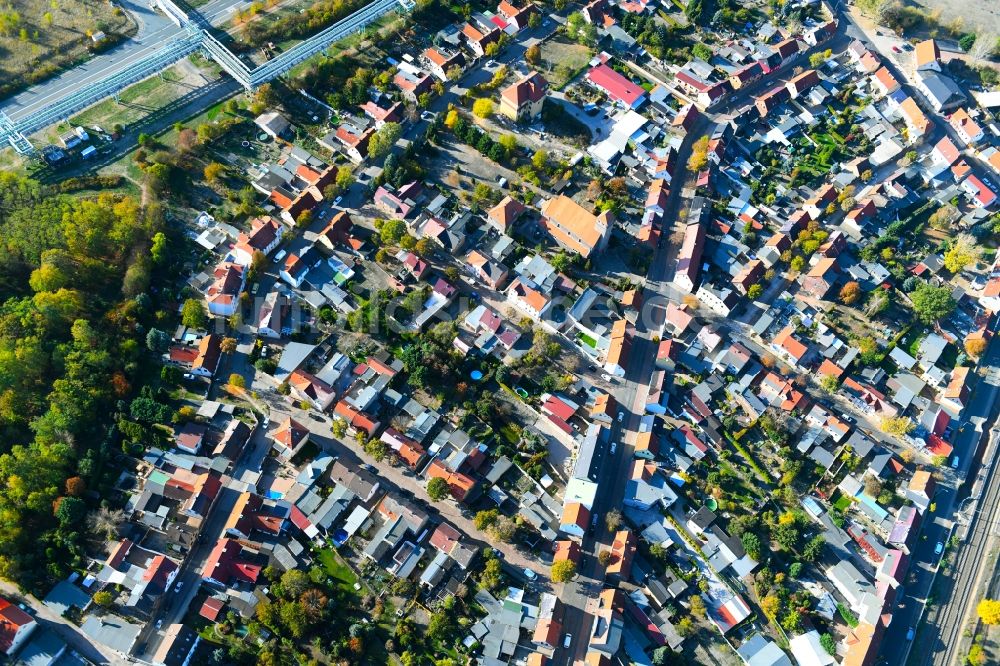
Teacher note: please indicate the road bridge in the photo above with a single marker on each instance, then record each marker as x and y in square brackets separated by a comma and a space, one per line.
[16, 131]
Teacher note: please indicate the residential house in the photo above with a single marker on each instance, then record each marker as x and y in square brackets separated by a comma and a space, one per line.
[689, 259]
[223, 294]
[353, 141]
[623, 550]
[505, 214]
[265, 235]
[620, 342]
[771, 100]
[15, 627]
[491, 273]
[619, 89]
[289, 436]
[968, 130]
[821, 278]
[515, 18]
[884, 82]
[927, 56]
[940, 91]
[801, 83]
[440, 62]
[981, 190]
[401, 203]
[273, 124]
[574, 227]
[412, 83]
[232, 560]
[477, 40]
[523, 99]
[381, 116]
[916, 121]
[921, 489]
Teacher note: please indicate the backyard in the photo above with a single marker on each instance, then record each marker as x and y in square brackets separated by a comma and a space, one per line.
[561, 60]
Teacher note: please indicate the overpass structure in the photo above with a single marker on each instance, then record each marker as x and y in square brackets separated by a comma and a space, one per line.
[14, 131]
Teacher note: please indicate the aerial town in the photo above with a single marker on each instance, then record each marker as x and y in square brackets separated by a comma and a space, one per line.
[652, 332]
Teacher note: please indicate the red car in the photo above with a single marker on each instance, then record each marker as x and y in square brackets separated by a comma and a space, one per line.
[895, 49]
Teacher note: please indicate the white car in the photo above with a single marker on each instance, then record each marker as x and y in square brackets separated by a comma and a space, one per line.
[178, 586]
[621, 416]
[614, 447]
[568, 640]
[336, 202]
[529, 574]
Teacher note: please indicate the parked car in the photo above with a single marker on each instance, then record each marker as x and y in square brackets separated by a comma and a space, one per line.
[909, 634]
[568, 640]
[939, 548]
[529, 574]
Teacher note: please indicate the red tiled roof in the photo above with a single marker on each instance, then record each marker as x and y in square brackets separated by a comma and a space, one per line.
[617, 86]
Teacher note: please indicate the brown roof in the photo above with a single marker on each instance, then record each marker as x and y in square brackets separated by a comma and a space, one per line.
[913, 114]
[209, 350]
[569, 216]
[506, 212]
[927, 52]
[530, 89]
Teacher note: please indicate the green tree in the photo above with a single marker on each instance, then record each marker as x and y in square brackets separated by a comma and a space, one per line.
[813, 548]
[699, 155]
[377, 449]
[294, 582]
[384, 139]
[213, 172]
[236, 380]
[829, 645]
[157, 340]
[697, 606]
[932, 303]
[193, 314]
[751, 544]
[70, 511]
[345, 178]
[702, 50]
[829, 383]
[437, 489]
[392, 231]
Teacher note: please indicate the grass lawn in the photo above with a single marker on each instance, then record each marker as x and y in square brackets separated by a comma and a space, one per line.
[509, 434]
[843, 503]
[337, 569]
[587, 340]
[562, 60]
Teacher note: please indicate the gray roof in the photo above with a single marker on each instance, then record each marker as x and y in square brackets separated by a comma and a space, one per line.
[942, 89]
[111, 631]
[64, 596]
[43, 648]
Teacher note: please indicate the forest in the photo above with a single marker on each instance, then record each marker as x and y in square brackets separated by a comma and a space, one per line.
[75, 274]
